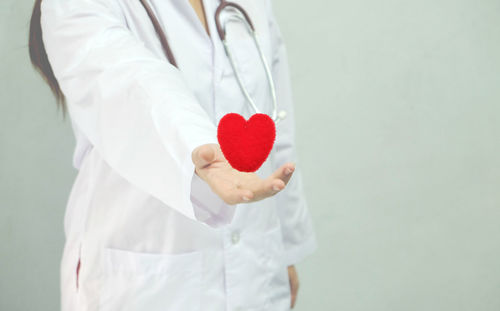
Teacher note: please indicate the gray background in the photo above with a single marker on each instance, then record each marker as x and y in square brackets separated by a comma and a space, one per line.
[399, 140]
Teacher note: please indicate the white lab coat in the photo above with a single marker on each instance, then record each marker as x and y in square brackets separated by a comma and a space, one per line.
[150, 235]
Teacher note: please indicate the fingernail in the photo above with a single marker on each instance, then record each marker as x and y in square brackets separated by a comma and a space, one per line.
[276, 188]
[288, 171]
[246, 199]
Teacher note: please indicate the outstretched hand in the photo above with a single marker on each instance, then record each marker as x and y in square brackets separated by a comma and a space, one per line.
[233, 186]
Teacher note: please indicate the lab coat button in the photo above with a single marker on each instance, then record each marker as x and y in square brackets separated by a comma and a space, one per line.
[235, 237]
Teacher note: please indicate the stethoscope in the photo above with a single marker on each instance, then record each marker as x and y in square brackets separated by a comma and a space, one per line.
[242, 16]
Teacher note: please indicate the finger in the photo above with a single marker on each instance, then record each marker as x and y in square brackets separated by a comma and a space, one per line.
[284, 173]
[237, 196]
[269, 187]
[204, 155]
[276, 186]
[245, 195]
[293, 291]
[219, 156]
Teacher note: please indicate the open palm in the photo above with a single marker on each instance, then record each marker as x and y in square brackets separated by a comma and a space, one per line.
[234, 186]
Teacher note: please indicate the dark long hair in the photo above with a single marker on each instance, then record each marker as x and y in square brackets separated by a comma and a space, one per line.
[39, 58]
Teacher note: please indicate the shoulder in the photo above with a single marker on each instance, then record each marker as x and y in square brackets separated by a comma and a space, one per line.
[75, 6]
[67, 13]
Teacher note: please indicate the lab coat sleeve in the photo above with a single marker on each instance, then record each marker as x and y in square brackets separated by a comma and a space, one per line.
[132, 105]
[296, 223]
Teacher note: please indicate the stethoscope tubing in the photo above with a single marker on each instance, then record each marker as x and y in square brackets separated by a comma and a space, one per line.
[221, 31]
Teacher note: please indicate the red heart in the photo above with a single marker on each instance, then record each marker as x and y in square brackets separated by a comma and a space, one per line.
[246, 144]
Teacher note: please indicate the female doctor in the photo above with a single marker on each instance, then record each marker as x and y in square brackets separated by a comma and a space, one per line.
[157, 219]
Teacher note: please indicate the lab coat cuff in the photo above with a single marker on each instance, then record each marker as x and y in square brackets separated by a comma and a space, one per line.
[208, 207]
[205, 206]
[299, 252]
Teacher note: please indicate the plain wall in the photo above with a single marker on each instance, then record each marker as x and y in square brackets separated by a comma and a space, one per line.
[399, 138]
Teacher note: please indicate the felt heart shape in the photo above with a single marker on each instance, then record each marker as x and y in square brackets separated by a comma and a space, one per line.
[246, 144]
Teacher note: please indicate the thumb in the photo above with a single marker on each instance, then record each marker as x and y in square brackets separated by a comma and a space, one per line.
[204, 155]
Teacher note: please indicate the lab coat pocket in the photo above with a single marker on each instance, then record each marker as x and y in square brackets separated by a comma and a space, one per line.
[254, 274]
[150, 282]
